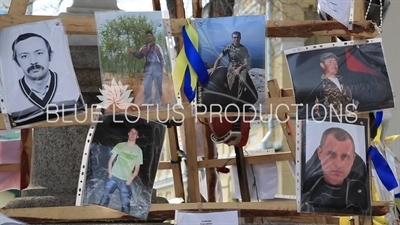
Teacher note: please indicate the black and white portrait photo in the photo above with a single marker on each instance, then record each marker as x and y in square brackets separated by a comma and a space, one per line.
[334, 175]
[123, 160]
[37, 73]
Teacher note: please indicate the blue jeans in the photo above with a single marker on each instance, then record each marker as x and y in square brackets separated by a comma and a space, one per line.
[125, 193]
[153, 73]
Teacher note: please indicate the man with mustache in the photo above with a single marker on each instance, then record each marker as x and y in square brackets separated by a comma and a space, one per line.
[335, 179]
[41, 89]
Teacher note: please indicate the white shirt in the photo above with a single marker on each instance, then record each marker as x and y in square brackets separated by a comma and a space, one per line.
[336, 81]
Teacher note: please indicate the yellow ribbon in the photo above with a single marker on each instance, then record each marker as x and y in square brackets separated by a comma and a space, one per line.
[377, 220]
[182, 62]
[392, 138]
[397, 202]
[377, 138]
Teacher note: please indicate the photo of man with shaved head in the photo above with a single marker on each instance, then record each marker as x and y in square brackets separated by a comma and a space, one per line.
[334, 175]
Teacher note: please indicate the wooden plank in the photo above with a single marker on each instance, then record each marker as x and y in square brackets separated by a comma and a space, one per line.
[209, 153]
[10, 168]
[242, 177]
[288, 129]
[280, 105]
[18, 7]
[191, 159]
[252, 159]
[26, 156]
[156, 5]
[197, 8]
[176, 167]
[275, 28]
[95, 213]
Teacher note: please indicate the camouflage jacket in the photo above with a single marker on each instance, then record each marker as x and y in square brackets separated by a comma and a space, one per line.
[330, 95]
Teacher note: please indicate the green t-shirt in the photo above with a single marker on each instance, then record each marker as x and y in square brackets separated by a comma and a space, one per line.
[128, 158]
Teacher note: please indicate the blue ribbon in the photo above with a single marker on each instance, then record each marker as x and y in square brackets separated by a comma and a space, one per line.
[187, 87]
[378, 118]
[194, 59]
[183, 153]
[382, 168]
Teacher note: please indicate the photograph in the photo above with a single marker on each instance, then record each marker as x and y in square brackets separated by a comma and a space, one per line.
[133, 50]
[122, 164]
[37, 75]
[233, 50]
[339, 78]
[334, 175]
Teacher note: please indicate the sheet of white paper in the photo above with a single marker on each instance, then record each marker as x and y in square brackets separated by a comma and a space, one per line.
[339, 10]
[266, 177]
[211, 218]
[204, 190]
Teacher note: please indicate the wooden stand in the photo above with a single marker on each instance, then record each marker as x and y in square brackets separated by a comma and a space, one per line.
[273, 209]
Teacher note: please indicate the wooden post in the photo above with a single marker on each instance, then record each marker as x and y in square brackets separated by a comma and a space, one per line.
[192, 166]
[175, 163]
[197, 8]
[210, 172]
[18, 7]
[156, 5]
[243, 181]
[288, 129]
[26, 156]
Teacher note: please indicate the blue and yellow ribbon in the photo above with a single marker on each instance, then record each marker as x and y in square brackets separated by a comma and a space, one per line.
[396, 195]
[189, 67]
[382, 168]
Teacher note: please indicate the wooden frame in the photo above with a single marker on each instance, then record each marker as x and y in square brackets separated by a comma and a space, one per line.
[86, 25]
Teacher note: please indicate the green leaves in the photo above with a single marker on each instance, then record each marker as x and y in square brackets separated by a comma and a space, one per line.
[116, 37]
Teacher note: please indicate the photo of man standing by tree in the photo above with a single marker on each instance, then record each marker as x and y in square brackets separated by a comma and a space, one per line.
[154, 68]
[133, 50]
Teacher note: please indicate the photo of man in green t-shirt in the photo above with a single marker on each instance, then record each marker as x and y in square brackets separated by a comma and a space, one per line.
[125, 169]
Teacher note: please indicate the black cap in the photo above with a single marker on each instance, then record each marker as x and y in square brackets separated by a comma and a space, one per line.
[327, 55]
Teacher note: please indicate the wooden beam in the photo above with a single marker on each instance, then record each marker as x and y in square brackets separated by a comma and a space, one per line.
[278, 28]
[209, 153]
[95, 213]
[252, 159]
[10, 168]
[156, 5]
[242, 177]
[197, 8]
[288, 129]
[191, 159]
[176, 166]
[18, 7]
[26, 156]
